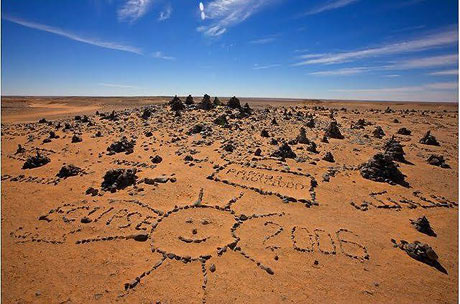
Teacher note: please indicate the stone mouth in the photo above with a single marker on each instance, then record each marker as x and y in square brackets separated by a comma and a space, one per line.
[189, 240]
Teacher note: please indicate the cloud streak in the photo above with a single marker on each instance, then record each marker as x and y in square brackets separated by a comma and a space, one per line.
[227, 13]
[330, 6]
[73, 36]
[115, 85]
[160, 55]
[431, 41]
[342, 72]
[264, 67]
[444, 73]
[263, 40]
[133, 10]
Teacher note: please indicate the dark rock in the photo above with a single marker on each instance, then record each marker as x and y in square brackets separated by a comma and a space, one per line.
[221, 120]
[437, 160]
[264, 133]
[76, 139]
[176, 104]
[429, 139]
[146, 114]
[35, 161]
[404, 131]
[234, 103]
[311, 123]
[92, 191]
[189, 100]
[141, 237]
[85, 220]
[333, 131]
[157, 159]
[196, 129]
[119, 179]
[212, 268]
[68, 170]
[284, 151]
[274, 122]
[229, 147]
[302, 137]
[420, 251]
[394, 150]
[381, 168]
[20, 150]
[216, 101]
[378, 132]
[258, 152]
[423, 225]
[123, 145]
[206, 103]
[329, 157]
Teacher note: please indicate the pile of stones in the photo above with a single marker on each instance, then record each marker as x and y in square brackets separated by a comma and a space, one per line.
[119, 179]
[36, 161]
[381, 168]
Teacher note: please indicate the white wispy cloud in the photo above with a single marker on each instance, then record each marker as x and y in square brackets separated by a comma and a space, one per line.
[227, 13]
[160, 55]
[424, 62]
[343, 71]
[330, 6]
[392, 76]
[444, 73]
[441, 39]
[133, 10]
[263, 40]
[408, 64]
[115, 85]
[73, 36]
[433, 86]
[263, 67]
[165, 14]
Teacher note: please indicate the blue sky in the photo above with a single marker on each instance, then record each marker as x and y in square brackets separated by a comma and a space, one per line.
[350, 49]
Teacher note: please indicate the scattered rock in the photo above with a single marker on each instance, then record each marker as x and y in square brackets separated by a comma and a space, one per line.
[333, 131]
[123, 145]
[437, 160]
[119, 179]
[381, 168]
[378, 132]
[68, 170]
[423, 225]
[404, 131]
[36, 161]
[329, 157]
[157, 159]
[429, 139]
[284, 151]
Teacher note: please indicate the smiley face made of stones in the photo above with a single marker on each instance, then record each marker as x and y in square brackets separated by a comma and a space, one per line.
[194, 232]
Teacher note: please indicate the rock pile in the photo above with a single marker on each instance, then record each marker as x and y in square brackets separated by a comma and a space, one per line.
[437, 160]
[284, 151]
[176, 104]
[123, 145]
[404, 131]
[234, 103]
[423, 225]
[206, 103]
[394, 150]
[381, 168]
[429, 139]
[420, 251]
[329, 157]
[378, 132]
[36, 161]
[189, 100]
[333, 131]
[68, 170]
[118, 179]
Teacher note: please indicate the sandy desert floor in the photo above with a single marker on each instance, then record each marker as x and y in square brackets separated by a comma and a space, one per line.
[228, 205]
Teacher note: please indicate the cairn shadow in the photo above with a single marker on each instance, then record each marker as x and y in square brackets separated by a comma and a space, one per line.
[434, 264]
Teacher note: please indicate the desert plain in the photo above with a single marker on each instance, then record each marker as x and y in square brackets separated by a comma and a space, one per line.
[173, 200]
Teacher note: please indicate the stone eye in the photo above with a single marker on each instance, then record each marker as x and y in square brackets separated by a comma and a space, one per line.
[189, 221]
[205, 222]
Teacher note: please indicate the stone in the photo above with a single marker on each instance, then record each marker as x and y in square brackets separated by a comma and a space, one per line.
[429, 139]
[119, 179]
[157, 159]
[381, 168]
[437, 160]
[423, 225]
[76, 139]
[36, 161]
[333, 131]
[404, 131]
[284, 151]
[206, 103]
[394, 150]
[329, 157]
[189, 100]
[68, 170]
[123, 145]
[378, 132]
[234, 103]
[176, 104]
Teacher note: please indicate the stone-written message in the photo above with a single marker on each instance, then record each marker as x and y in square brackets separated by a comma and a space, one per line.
[290, 184]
